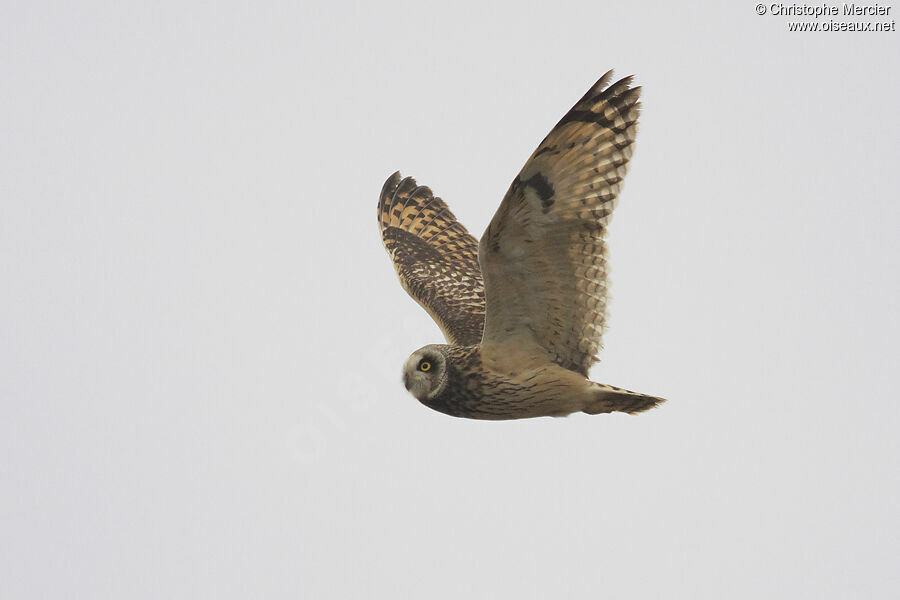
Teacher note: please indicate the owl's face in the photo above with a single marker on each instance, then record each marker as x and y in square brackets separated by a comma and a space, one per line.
[425, 372]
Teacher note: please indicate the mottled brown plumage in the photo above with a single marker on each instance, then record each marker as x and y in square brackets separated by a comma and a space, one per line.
[435, 257]
[523, 311]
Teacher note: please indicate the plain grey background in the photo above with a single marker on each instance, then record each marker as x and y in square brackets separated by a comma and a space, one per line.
[201, 337]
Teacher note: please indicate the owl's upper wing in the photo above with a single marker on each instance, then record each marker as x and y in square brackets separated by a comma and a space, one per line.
[543, 255]
[435, 257]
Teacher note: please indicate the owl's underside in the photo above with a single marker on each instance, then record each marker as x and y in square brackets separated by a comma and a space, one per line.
[523, 310]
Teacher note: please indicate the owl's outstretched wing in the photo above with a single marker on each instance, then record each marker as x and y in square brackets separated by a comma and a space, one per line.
[543, 255]
[435, 257]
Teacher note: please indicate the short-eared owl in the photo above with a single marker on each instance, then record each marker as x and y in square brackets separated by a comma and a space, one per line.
[524, 309]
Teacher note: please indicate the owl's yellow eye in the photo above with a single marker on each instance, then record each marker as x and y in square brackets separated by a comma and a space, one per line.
[424, 366]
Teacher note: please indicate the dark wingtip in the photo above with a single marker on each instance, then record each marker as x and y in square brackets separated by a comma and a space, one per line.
[605, 89]
[597, 88]
[387, 193]
[387, 190]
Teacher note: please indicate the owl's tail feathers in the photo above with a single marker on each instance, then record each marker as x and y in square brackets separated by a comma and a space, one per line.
[607, 398]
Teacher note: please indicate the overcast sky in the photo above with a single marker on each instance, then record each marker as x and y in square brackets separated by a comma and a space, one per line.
[201, 337]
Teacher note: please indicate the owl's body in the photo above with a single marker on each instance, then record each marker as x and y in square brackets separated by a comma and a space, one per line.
[481, 384]
[525, 309]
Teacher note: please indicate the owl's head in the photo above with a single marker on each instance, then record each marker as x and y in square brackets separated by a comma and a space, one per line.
[425, 372]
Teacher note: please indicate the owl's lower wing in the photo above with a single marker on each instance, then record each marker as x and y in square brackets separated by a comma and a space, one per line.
[544, 256]
[435, 257]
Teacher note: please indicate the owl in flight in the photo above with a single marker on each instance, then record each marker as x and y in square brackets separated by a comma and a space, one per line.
[524, 309]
